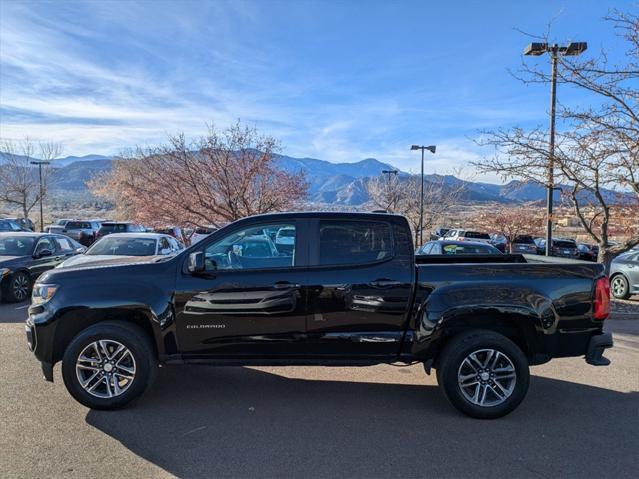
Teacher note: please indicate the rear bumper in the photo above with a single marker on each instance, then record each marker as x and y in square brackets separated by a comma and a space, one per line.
[596, 347]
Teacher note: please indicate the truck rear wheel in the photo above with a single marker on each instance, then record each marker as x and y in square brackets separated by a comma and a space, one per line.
[108, 365]
[483, 374]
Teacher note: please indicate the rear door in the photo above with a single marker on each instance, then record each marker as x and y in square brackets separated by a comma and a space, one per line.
[252, 299]
[362, 275]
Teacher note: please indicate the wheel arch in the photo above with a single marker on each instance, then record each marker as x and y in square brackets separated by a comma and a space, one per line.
[518, 325]
[74, 321]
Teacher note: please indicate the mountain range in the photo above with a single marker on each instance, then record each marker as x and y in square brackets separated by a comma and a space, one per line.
[329, 183]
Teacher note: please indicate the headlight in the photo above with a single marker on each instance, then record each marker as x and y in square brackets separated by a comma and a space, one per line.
[43, 293]
[4, 272]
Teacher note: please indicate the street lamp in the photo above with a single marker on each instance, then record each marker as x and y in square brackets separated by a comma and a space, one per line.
[389, 173]
[40, 163]
[432, 149]
[537, 49]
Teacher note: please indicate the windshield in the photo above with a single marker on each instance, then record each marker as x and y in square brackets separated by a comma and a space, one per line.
[286, 233]
[524, 239]
[476, 235]
[564, 244]
[78, 225]
[111, 228]
[16, 246]
[123, 247]
[469, 249]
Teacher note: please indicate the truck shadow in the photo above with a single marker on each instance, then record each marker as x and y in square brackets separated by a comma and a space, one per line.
[239, 422]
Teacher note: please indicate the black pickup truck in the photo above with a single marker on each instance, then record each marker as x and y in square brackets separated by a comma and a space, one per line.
[317, 289]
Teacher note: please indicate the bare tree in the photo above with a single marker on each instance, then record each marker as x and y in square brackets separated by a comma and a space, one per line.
[597, 152]
[403, 195]
[511, 222]
[19, 180]
[386, 192]
[218, 178]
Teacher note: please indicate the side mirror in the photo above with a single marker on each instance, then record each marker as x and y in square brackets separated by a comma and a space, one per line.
[80, 250]
[196, 263]
[43, 253]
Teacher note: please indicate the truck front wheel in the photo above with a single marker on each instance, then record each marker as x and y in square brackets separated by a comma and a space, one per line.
[483, 374]
[108, 365]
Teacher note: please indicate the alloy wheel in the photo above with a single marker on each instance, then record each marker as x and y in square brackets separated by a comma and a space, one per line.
[20, 287]
[105, 368]
[618, 287]
[487, 377]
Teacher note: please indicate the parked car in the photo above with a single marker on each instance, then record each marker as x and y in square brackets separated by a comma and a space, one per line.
[439, 233]
[202, 232]
[10, 225]
[466, 235]
[174, 231]
[499, 241]
[523, 244]
[110, 227]
[563, 248]
[285, 240]
[126, 245]
[84, 232]
[25, 223]
[587, 252]
[25, 255]
[353, 293]
[457, 247]
[624, 275]
[57, 226]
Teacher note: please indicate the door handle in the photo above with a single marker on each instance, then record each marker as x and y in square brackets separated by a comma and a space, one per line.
[286, 285]
[58, 258]
[384, 283]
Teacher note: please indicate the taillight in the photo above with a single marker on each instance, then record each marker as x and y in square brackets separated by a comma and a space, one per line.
[601, 303]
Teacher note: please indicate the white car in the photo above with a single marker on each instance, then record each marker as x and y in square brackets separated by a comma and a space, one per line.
[285, 236]
[202, 232]
[126, 245]
[466, 235]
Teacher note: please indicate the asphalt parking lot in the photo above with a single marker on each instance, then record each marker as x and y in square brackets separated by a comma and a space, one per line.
[577, 421]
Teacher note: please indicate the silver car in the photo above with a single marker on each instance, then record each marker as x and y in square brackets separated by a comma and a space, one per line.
[624, 275]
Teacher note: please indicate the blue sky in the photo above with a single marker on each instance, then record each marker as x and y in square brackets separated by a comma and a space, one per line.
[334, 80]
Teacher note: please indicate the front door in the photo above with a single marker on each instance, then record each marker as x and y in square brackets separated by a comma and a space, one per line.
[44, 257]
[252, 298]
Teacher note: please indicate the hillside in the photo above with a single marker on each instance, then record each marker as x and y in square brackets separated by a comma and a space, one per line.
[329, 183]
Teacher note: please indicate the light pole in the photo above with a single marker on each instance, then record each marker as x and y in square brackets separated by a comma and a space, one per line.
[537, 49]
[40, 163]
[389, 173]
[432, 149]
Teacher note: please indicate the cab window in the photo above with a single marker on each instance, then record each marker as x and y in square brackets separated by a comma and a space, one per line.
[354, 242]
[254, 247]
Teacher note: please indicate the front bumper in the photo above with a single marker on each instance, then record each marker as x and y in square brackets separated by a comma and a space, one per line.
[596, 347]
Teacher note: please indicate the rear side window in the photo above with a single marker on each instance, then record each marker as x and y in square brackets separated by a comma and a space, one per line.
[64, 245]
[354, 242]
[476, 235]
[426, 248]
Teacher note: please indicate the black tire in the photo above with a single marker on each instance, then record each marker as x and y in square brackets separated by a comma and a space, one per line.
[449, 367]
[17, 288]
[141, 350]
[619, 286]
